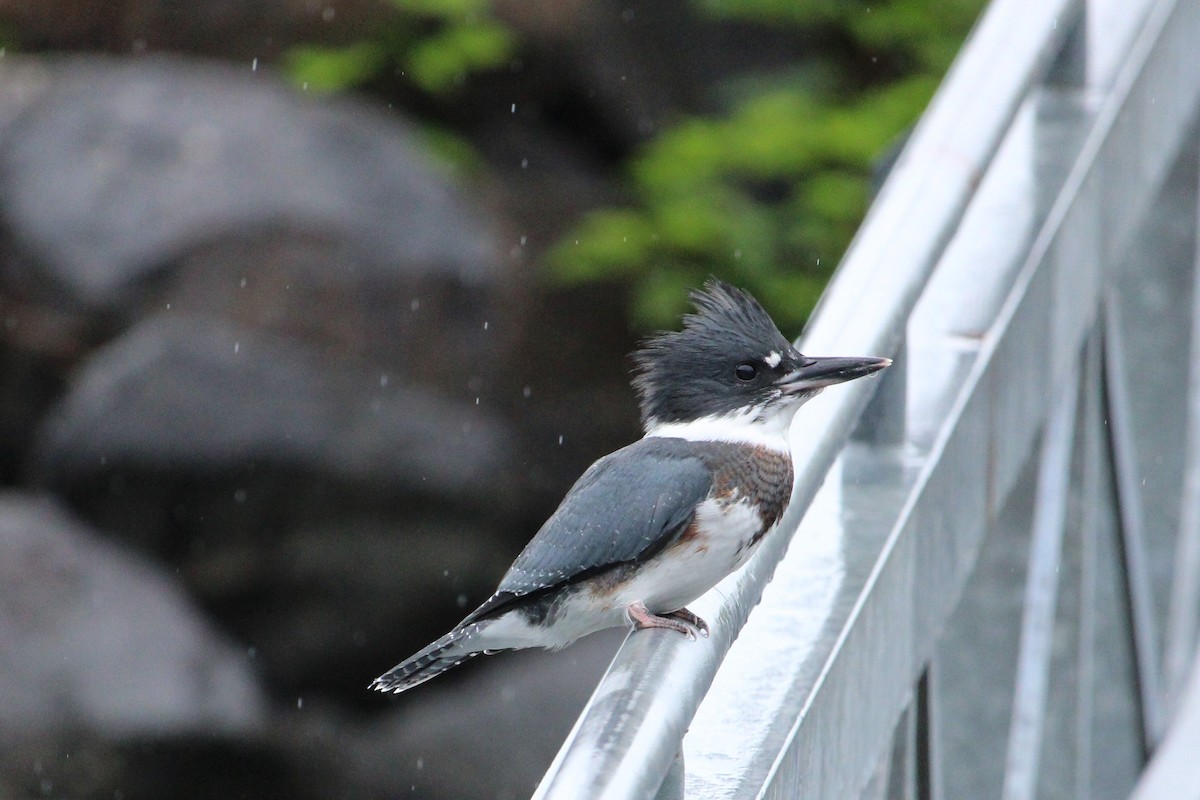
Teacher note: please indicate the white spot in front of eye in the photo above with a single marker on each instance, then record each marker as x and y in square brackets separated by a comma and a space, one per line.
[773, 358]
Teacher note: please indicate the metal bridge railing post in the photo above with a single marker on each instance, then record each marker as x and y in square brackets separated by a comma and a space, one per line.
[1134, 549]
[1183, 618]
[1041, 598]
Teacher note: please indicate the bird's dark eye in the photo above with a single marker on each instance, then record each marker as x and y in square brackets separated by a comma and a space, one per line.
[746, 371]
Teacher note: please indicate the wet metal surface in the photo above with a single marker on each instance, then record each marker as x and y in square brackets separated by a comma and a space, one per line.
[983, 267]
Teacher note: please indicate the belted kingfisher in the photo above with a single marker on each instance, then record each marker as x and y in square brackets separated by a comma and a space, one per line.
[648, 529]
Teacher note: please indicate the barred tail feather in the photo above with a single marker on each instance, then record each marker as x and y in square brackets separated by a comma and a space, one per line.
[446, 653]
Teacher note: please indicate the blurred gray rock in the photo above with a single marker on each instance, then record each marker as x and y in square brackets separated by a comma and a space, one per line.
[138, 187]
[313, 506]
[93, 637]
[202, 396]
[117, 167]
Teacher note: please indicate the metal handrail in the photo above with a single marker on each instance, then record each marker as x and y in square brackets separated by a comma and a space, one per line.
[627, 737]
[1137, 111]
[807, 699]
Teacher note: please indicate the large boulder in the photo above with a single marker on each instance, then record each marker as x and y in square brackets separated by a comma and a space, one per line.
[196, 395]
[137, 187]
[312, 505]
[95, 637]
[117, 168]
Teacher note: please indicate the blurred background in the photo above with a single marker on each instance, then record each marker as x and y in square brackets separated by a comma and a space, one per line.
[310, 312]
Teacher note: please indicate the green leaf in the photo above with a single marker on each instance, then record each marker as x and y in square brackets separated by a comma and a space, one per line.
[931, 32]
[606, 243]
[775, 135]
[438, 62]
[331, 69]
[662, 296]
[451, 151]
[681, 158]
[836, 196]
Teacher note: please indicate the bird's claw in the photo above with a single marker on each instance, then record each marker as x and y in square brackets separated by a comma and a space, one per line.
[691, 619]
[681, 621]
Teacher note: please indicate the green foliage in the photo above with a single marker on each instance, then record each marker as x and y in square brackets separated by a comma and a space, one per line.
[331, 69]
[438, 62]
[435, 43]
[769, 194]
[450, 152]
[929, 32]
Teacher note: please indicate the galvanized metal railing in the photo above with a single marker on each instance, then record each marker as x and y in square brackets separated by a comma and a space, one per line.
[994, 590]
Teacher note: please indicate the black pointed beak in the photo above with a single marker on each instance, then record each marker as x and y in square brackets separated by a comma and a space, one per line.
[817, 373]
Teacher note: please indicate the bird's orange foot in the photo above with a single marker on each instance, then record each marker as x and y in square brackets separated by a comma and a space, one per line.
[682, 621]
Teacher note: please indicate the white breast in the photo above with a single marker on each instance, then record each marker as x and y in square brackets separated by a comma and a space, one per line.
[692, 566]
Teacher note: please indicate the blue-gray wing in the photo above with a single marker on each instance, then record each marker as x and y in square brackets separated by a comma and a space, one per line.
[628, 506]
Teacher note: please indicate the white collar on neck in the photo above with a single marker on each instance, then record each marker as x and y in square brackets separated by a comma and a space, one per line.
[768, 430]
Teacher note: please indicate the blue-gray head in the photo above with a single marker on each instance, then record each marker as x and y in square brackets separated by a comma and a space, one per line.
[730, 360]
